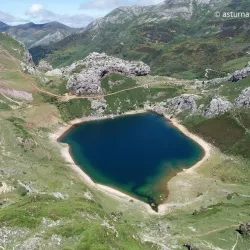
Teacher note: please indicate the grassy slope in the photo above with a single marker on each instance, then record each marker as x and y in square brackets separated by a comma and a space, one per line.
[178, 48]
[205, 208]
[37, 217]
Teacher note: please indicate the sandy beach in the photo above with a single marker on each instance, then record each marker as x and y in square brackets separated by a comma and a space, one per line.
[111, 191]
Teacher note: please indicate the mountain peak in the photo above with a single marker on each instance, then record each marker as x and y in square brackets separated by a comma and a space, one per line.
[3, 26]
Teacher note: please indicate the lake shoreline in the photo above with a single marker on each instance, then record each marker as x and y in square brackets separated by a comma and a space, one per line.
[65, 152]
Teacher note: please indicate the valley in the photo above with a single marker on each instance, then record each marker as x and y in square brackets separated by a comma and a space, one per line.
[198, 79]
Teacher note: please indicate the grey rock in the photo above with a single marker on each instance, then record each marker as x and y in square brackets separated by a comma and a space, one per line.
[54, 72]
[44, 66]
[29, 68]
[218, 105]
[240, 74]
[27, 58]
[182, 102]
[98, 106]
[93, 68]
[244, 99]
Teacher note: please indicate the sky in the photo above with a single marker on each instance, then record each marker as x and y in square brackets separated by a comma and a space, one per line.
[74, 13]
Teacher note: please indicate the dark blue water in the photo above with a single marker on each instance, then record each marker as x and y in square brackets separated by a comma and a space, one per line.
[135, 154]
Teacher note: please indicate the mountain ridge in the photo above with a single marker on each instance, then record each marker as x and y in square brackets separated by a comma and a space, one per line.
[157, 39]
[33, 34]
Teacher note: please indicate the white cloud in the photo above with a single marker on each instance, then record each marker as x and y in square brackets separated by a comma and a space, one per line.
[103, 4]
[38, 13]
[34, 9]
[9, 19]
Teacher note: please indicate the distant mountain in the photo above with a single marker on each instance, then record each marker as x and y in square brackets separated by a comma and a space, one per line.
[179, 38]
[3, 26]
[32, 34]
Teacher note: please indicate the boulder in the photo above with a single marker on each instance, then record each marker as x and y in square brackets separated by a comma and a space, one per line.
[181, 103]
[44, 66]
[240, 74]
[244, 99]
[217, 106]
[244, 229]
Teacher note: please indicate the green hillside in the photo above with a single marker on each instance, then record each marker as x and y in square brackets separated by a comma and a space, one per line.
[175, 47]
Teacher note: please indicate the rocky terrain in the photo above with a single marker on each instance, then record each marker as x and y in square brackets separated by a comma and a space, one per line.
[93, 68]
[182, 103]
[244, 99]
[206, 205]
[173, 35]
[217, 106]
[240, 74]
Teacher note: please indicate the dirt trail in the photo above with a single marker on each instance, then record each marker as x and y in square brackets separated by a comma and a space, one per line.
[214, 231]
[67, 97]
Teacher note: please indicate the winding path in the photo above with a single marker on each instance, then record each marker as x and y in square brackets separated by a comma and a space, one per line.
[68, 97]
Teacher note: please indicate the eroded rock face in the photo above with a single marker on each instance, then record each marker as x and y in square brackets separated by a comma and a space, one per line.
[27, 58]
[244, 99]
[182, 102]
[244, 229]
[44, 66]
[217, 106]
[190, 246]
[29, 68]
[54, 72]
[84, 76]
[240, 74]
[98, 107]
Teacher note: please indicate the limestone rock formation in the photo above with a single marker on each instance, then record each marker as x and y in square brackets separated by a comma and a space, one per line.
[244, 99]
[240, 74]
[98, 107]
[84, 76]
[28, 64]
[182, 102]
[27, 58]
[244, 229]
[190, 246]
[44, 66]
[54, 72]
[217, 106]
[29, 68]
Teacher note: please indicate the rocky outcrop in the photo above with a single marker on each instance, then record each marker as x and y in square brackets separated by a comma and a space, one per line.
[159, 108]
[87, 80]
[29, 68]
[218, 105]
[244, 229]
[98, 107]
[240, 74]
[27, 58]
[44, 66]
[54, 72]
[244, 99]
[190, 246]
[181, 103]
[28, 65]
